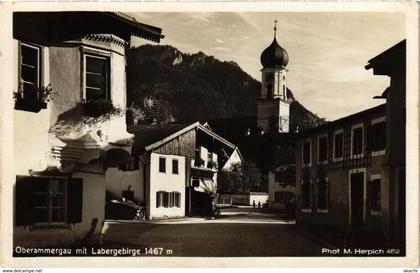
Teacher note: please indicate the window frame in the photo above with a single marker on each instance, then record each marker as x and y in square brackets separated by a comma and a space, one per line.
[38, 67]
[353, 128]
[376, 121]
[375, 177]
[49, 207]
[164, 164]
[319, 137]
[309, 164]
[99, 54]
[337, 132]
[177, 166]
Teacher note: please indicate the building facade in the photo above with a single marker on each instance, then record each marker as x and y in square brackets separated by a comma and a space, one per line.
[350, 173]
[174, 170]
[70, 90]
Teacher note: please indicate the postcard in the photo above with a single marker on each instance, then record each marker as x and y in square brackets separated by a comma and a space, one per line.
[179, 134]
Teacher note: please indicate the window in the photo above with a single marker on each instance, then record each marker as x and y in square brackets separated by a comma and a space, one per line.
[378, 136]
[338, 145]
[175, 166]
[306, 197]
[323, 194]
[306, 154]
[49, 206]
[30, 72]
[322, 149]
[357, 140]
[209, 160]
[162, 165]
[48, 200]
[168, 199]
[131, 165]
[96, 78]
[375, 195]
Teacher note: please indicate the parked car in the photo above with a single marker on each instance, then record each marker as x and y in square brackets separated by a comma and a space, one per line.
[124, 210]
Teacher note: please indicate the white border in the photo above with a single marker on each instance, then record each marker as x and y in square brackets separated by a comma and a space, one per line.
[410, 10]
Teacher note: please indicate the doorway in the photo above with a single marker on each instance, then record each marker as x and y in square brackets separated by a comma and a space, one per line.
[357, 192]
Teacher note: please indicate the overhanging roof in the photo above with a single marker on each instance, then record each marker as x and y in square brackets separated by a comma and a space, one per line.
[149, 137]
[65, 25]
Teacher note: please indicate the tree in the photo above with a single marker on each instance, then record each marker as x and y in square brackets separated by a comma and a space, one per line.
[240, 178]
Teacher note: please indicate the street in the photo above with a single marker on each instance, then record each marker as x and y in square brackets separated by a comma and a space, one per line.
[237, 233]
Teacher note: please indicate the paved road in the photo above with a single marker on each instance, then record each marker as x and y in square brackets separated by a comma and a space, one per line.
[213, 239]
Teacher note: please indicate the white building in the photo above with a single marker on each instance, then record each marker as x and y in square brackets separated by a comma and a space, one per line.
[69, 119]
[174, 167]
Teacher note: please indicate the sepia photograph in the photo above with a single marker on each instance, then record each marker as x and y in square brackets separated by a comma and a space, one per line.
[208, 134]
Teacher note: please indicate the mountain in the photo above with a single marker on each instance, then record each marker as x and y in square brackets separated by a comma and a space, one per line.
[190, 87]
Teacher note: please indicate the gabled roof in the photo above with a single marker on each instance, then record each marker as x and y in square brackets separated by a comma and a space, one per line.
[148, 137]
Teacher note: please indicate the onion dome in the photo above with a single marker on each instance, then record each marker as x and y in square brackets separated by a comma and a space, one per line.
[274, 55]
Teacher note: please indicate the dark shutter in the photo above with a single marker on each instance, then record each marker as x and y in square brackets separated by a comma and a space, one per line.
[327, 198]
[370, 138]
[158, 199]
[74, 200]
[24, 200]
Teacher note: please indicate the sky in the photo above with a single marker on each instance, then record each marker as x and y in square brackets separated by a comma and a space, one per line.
[327, 51]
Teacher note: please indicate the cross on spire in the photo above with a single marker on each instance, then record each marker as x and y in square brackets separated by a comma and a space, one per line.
[275, 27]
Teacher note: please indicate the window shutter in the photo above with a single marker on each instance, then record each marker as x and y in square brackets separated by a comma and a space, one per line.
[178, 199]
[369, 200]
[327, 197]
[370, 134]
[24, 200]
[165, 199]
[158, 199]
[74, 200]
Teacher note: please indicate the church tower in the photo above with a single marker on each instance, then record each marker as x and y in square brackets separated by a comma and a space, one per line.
[273, 104]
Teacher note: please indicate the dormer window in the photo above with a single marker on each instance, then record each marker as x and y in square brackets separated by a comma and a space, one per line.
[97, 78]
